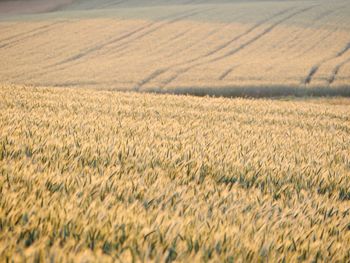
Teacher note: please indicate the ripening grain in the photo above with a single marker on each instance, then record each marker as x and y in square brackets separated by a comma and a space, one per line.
[103, 176]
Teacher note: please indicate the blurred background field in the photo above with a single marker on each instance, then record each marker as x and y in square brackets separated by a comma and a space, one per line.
[229, 48]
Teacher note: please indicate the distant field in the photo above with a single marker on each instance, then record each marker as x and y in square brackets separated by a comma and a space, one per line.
[228, 48]
[10, 7]
[96, 175]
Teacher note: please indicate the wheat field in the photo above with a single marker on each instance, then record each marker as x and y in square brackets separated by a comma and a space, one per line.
[106, 155]
[90, 175]
[199, 47]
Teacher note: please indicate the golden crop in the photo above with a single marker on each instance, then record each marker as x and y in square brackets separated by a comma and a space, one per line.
[97, 175]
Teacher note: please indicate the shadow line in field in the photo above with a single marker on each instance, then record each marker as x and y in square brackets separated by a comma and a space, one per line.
[229, 91]
[256, 91]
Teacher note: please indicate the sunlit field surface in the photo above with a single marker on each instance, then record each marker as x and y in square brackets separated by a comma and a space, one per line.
[103, 176]
[224, 48]
[106, 155]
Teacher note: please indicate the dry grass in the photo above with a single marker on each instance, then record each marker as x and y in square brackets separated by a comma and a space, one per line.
[96, 175]
[229, 47]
